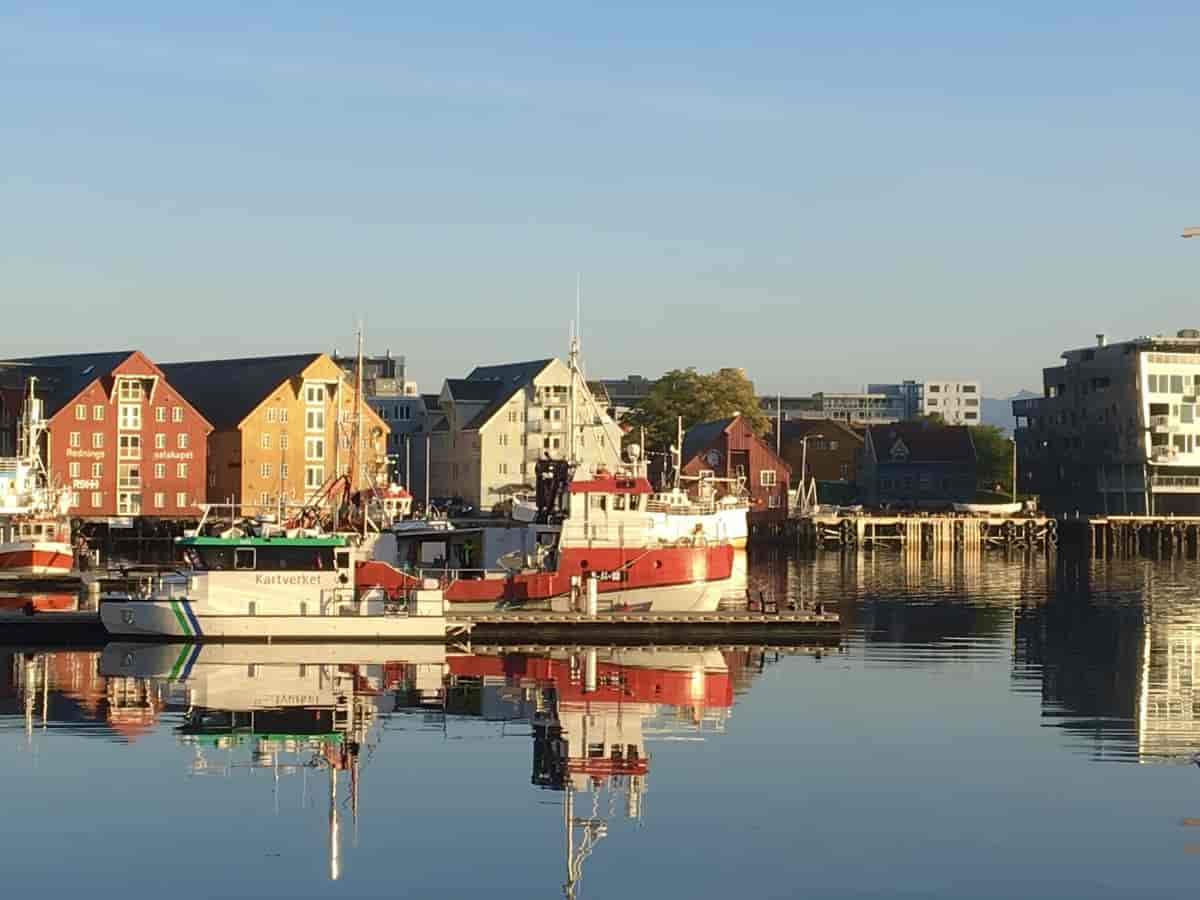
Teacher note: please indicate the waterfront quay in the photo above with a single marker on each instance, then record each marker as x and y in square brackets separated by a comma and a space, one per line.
[912, 531]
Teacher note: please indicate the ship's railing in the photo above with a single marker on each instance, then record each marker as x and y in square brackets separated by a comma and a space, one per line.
[695, 507]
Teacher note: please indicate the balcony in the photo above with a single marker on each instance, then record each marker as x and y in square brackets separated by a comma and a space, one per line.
[1162, 425]
[1175, 484]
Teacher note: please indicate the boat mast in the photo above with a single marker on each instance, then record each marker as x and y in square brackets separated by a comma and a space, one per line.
[357, 437]
[573, 365]
[678, 450]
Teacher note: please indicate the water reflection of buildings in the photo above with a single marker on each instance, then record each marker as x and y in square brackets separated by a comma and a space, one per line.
[1116, 656]
[64, 690]
[294, 711]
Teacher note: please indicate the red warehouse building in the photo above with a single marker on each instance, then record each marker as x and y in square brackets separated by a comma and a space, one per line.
[119, 436]
[729, 448]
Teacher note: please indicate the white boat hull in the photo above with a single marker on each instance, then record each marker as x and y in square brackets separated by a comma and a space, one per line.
[177, 620]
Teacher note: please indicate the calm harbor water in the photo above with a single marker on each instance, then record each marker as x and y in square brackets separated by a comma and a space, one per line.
[1000, 729]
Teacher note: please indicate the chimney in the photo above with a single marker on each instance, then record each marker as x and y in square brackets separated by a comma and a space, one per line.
[1101, 339]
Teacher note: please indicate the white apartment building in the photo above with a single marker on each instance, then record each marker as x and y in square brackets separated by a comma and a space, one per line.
[496, 423]
[957, 402]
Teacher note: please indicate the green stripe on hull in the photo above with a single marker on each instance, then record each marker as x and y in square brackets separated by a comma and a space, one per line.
[183, 625]
[183, 655]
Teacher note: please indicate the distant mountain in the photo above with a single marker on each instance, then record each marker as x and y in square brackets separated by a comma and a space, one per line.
[998, 411]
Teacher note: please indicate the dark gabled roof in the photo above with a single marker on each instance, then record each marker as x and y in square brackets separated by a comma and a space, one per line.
[925, 442]
[510, 373]
[799, 427]
[64, 376]
[494, 385]
[432, 402]
[226, 390]
[700, 437]
[467, 391]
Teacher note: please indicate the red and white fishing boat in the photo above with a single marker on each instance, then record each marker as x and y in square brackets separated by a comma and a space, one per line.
[35, 532]
[592, 534]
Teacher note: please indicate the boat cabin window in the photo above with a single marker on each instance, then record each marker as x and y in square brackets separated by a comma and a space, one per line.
[260, 559]
[619, 503]
[343, 559]
[599, 501]
[635, 502]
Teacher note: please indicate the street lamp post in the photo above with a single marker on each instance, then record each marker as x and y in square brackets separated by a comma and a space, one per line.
[804, 471]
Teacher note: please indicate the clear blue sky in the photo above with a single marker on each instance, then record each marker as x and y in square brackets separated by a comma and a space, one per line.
[823, 194]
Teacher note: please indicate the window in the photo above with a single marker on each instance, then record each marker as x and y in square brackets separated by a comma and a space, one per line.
[555, 443]
[129, 504]
[968, 388]
[176, 413]
[264, 498]
[181, 470]
[160, 414]
[934, 389]
[74, 439]
[1187, 413]
[404, 413]
[283, 413]
[97, 500]
[130, 446]
[81, 412]
[181, 440]
[212, 478]
[97, 440]
[314, 476]
[283, 471]
[73, 469]
[503, 439]
[833, 445]
[503, 468]
[314, 420]
[130, 389]
[844, 471]
[314, 448]
[98, 412]
[970, 415]
[243, 558]
[131, 417]
[160, 441]
[271, 414]
[283, 440]
[766, 478]
[314, 394]
[932, 402]
[773, 501]
[160, 500]
[74, 498]
[265, 441]
[970, 402]
[1176, 384]
[129, 476]
[264, 470]
[160, 470]
[97, 469]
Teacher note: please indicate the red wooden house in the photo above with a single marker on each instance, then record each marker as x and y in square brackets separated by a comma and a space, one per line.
[729, 448]
[119, 436]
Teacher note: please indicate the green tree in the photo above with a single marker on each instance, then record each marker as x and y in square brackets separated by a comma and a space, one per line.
[697, 397]
[993, 453]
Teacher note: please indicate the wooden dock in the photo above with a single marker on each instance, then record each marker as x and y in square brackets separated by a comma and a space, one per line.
[965, 532]
[1154, 537]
